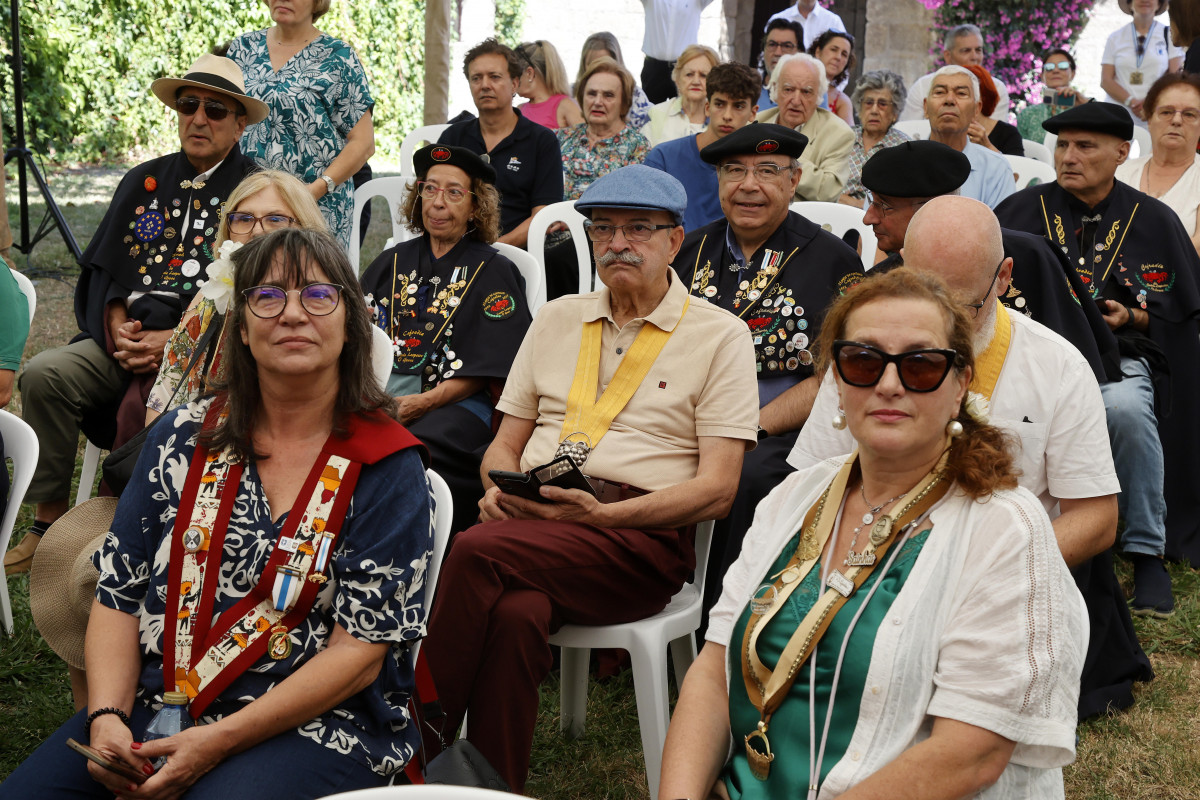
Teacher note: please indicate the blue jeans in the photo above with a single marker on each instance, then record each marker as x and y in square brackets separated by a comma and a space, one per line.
[1138, 456]
[286, 765]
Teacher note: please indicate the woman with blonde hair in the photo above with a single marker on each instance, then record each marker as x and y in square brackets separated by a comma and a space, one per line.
[264, 201]
[685, 114]
[544, 85]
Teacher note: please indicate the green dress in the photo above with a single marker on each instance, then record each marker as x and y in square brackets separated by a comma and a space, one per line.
[789, 729]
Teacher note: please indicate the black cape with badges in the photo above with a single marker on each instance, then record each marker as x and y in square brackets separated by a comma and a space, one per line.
[140, 245]
[790, 282]
[1142, 256]
[1044, 288]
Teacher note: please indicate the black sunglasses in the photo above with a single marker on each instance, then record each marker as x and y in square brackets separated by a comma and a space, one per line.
[919, 370]
[188, 105]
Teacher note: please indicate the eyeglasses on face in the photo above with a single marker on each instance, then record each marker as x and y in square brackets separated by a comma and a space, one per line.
[268, 302]
[978, 305]
[766, 172]
[242, 223]
[863, 365]
[1167, 113]
[189, 104]
[884, 208]
[430, 191]
[634, 231]
[882, 103]
[787, 47]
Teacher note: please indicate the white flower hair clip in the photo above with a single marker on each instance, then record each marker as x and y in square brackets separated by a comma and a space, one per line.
[978, 407]
[219, 286]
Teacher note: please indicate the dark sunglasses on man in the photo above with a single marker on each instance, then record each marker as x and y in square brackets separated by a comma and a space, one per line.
[189, 104]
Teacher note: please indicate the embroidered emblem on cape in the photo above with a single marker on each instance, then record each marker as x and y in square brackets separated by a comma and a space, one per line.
[149, 225]
[1155, 277]
[849, 281]
[499, 305]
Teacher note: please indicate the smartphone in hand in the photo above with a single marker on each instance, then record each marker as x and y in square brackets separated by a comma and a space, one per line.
[119, 767]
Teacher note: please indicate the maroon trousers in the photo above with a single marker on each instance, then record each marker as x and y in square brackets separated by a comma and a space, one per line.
[505, 587]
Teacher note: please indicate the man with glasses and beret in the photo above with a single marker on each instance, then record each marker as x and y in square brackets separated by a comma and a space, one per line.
[137, 276]
[777, 271]
[1141, 269]
[646, 389]
[1035, 385]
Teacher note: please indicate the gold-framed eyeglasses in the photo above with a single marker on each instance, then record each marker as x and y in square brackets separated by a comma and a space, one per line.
[430, 191]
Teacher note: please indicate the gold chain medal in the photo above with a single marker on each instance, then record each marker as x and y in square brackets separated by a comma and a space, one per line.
[759, 761]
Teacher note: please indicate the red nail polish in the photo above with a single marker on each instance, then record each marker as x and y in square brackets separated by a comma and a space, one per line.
[149, 770]
[136, 745]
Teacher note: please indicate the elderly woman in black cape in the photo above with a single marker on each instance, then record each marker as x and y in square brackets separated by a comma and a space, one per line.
[455, 311]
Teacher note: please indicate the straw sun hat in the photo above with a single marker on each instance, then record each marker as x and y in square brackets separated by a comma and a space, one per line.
[62, 581]
[217, 74]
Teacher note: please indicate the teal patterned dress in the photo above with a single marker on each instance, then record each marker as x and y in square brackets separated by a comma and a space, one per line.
[315, 100]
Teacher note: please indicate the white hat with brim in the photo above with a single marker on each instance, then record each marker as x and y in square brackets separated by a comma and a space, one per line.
[62, 580]
[217, 74]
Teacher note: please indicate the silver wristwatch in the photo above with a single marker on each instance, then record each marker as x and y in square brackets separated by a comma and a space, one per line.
[329, 184]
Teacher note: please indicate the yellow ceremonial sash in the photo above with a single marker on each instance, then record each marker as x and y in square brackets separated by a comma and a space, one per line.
[590, 417]
[990, 362]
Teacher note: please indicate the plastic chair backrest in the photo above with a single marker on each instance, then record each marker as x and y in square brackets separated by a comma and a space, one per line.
[562, 212]
[381, 356]
[915, 128]
[1142, 144]
[21, 445]
[533, 273]
[26, 287]
[426, 134]
[392, 189]
[1030, 171]
[837, 218]
[1039, 151]
[443, 521]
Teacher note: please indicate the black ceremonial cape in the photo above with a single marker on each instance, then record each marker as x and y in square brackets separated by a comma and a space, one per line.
[801, 269]
[1143, 253]
[141, 245]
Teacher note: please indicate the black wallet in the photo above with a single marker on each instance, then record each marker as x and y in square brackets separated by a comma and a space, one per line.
[561, 472]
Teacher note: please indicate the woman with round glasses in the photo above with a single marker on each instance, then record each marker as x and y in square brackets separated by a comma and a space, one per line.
[900, 622]
[455, 311]
[1171, 172]
[263, 202]
[1058, 70]
[878, 98]
[267, 561]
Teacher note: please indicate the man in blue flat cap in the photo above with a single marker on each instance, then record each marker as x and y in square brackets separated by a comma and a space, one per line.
[661, 445]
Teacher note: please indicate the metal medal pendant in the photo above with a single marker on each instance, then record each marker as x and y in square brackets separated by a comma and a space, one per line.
[808, 545]
[840, 583]
[759, 761]
[761, 603]
[868, 518]
[1136, 78]
[279, 645]
[789, 575]
[854, 559]
[881, 530]
[193, 538]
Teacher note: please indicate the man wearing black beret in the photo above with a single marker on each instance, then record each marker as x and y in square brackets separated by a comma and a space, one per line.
[777, 271]
[1141, 269]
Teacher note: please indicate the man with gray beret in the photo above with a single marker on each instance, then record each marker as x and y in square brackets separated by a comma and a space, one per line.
[651, 393]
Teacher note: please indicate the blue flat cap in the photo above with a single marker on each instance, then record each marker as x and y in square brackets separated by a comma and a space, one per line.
[638, 187]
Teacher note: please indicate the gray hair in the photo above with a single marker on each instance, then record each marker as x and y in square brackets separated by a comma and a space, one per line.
[804, 58]
[879, 80]
[954, 69]
[959, 31]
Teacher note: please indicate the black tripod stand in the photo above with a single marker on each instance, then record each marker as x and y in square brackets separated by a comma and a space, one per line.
[25, 163]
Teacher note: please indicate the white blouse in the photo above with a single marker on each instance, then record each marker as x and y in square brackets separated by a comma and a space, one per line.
[1183, 197]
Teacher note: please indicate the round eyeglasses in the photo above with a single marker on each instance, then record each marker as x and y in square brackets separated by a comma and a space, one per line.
[268, 302]
[919, 370]
[242, 223]
[430, 191]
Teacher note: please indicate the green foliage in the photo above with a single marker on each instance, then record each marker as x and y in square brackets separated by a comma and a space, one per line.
[89, 64]
[510, 19]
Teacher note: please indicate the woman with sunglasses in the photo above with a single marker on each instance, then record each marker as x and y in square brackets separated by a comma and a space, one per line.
[1058, 70]
[262, 202]
[900, 622]
[266, 564]
[455, 311]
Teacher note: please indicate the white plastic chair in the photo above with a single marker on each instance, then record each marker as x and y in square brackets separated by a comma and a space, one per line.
[443, 521]
[21, 445]
[1039, 151]
[381, 356]
[26, 287]
[533, 273]
[426, 792]
[915, 128]
[1030, 171]
[562, 212]
[426, 134]
[646, 640]
[391, 189]
[837, 218]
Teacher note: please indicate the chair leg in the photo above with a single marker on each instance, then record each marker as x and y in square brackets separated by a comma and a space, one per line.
[6, 603]
[87, 473]
[573, 673]
[683, 653]
[650, 689]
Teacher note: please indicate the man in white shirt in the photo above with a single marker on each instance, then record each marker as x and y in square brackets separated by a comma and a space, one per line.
[815, 19]
[1046, 395]
[963, 47]
[671, 25]
[951, 106]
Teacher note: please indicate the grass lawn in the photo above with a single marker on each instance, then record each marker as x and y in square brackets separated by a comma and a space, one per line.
[1147, 753]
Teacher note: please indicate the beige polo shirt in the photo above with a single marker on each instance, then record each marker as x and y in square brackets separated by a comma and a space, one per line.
[702, 384]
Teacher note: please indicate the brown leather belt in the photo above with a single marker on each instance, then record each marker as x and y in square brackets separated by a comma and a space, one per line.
[610, 492]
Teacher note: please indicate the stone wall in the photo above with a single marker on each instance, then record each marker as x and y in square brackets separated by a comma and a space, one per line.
[898, 37]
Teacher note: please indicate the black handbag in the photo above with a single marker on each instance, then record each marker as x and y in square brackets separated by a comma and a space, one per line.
[117, 467]
[461, 764]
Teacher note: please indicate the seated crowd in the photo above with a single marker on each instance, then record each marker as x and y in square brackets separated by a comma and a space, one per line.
[1013, 364]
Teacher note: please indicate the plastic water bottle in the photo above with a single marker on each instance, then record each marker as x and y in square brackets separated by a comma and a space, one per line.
[172, 719]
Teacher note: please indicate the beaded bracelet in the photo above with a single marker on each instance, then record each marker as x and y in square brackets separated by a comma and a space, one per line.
[99, 712]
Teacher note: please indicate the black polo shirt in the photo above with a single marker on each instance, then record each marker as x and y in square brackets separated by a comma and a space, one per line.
[528, 166]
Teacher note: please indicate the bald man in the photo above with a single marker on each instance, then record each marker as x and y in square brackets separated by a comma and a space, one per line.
[1045, 394]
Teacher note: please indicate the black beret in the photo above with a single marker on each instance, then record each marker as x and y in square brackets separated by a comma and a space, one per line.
[758, 138]
[460, 157]
[1095, 116]
[916, 169]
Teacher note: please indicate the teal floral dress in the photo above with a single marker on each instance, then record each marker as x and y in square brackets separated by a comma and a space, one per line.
[315, 100]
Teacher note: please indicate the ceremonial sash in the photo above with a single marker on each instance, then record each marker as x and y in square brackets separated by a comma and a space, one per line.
[990, 362]
[588, 417]
[767, 688]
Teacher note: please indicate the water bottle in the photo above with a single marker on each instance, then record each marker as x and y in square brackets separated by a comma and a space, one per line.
[172, 719]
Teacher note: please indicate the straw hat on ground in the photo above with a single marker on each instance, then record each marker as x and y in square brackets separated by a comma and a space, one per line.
[62, 581]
